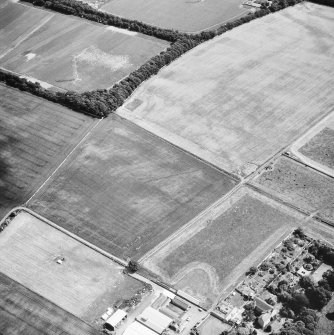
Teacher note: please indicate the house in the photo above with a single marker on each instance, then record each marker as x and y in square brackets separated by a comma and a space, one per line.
[261, 306]
[264, 320]
[154, 320]
[115, 320]
[180, 303]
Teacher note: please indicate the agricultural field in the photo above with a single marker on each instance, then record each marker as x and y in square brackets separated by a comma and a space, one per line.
[85, 284]
[211, 256]
[238, 99]
[25, 312]
[125, 190]
[35, 137]
[188, 16]
[299, 185]
[68, 52]
[316, 147]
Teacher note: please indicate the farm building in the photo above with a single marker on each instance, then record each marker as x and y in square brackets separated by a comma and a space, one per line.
[115, 319]
[136, 328]
[154, 320]
[188, 297]
[180, 303]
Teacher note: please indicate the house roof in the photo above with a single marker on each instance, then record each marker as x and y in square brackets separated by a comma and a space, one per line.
[116, 318]
[154, 320]
[262, 306]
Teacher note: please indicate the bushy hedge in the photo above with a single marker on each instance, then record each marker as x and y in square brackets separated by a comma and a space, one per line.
[102, 102]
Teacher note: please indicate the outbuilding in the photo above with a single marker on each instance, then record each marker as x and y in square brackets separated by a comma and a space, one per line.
[136, 328]
[154, 320]
[115, 319]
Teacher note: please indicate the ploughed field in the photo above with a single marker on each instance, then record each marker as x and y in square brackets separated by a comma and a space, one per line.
[35, 136]
[187, 16]
[207, 258]
[242, 97]
[68, 52]
[23, 311]
[85, 284]
[301, 186]
[125, 190]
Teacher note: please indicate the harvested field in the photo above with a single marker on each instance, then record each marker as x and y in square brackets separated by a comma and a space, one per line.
[316, 147]
[126, 190]
[213, 326]
[72, 53]
[35, 137]
[187, 16]
[85, 284]
[242, 231]
[243, 96]
[301, 186]
[23, 312]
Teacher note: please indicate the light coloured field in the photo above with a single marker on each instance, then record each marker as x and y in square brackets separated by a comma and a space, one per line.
[125, 190]
[35, 137]
[84, 285]
[69, 52]
[316, 147]
[188, 16]
[241, 97]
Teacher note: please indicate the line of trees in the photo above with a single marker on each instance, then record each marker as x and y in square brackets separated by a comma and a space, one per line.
[102, 102]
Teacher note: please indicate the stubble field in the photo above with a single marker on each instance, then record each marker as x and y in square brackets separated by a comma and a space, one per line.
[210, 257]
[241, 97]
[84, 285]
[126, 190]
[25, 312]
[69, 52]
[35, 136]
[301, 186]
[189, 16]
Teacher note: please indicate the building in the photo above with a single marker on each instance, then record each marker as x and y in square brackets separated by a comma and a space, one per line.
[115, 319]
[188, 297]
[261, 306]
[180, 303]
[264, 320]
[136, 328]
[154, 320]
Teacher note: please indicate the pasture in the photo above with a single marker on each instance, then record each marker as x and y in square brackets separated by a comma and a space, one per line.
[85, 284]
[35, 136]
[187, 16]
[125, 190]
[238, 99]
[299, 185]
[212, 255]
[25, 312]
[69, 52]
[316, 147]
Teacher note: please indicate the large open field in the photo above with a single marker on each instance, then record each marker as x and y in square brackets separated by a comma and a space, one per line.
[69, 52]
[126, 190]
[23, 312]
[35, 136]
[84, 285]
[241, 97]
[188, 16]
[212, 255]
[316, 147]
[301, 186]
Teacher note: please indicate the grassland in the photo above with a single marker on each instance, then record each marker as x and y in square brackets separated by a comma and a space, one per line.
[187, 16]
[207, 258]
[126, 190]
[35, 136]
[25, 312]
[241, 97]
[301, 186]
[84, 285]
[69, 52]
[213, 326]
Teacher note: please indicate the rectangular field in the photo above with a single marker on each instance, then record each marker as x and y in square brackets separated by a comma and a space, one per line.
[316, 147]
[85, 284]
[35, 137]
[23, 312]
[212, 255]
[187, 16]
[125, 190]
[69, 52]
[241, 97]
[301, 186]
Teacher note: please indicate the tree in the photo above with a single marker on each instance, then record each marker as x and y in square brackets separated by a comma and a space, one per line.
[252, 270]
[133, 266]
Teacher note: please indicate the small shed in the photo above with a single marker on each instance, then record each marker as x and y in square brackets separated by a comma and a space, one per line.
[115, 319]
